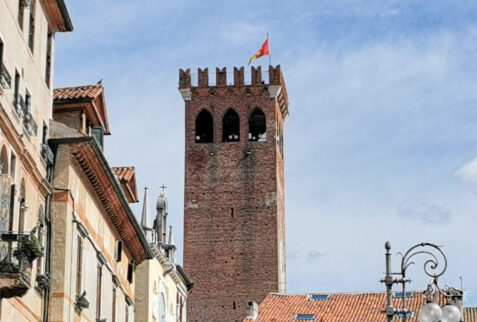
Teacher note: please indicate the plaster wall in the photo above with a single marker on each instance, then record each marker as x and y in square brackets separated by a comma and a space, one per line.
[30, 167]
[100, 239]
[150, 282]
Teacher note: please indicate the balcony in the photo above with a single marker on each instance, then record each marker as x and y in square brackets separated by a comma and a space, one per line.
[5, 78]
[47, 154]
[17, 252]
[29, 122]
[23, 112]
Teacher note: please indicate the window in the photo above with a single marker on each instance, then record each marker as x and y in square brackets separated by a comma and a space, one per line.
[12, 207]
[44, 135]
[28, 101]
[1, 54]
[4, 161]
[41, 235]
[114, 305]
[181, 309]
[316, 297]
[118, 250]
[48, 60]
[99, 278]
[162, 308]
[31, 34]
[98, 135]
[13, 161]
[257, 129]
[231, 126]
[204, 128]
[13, 165]
[21, 11]
[130, 272]
[79, 265]
[304, 317]
[399, 295]
[21, 217]
[16, 89]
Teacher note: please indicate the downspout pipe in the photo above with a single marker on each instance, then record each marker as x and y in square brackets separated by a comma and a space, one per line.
[46, 292]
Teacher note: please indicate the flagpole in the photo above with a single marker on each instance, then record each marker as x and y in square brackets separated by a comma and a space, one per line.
[269, 55]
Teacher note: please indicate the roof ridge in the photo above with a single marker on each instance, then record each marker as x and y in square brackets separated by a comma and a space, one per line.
[78, 86]
[339, 293]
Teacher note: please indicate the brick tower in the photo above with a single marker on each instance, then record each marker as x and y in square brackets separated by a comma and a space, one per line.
[234, 220]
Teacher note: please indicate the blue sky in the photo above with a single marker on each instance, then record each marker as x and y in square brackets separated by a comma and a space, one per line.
[380, 143]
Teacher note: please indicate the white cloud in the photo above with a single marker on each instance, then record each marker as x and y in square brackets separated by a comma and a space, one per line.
[375, 118]
[314, 255]
[468, 172]
[240, 33]
[392, 11]
[424, 212]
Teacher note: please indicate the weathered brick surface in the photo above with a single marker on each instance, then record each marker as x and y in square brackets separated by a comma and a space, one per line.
[239, 258]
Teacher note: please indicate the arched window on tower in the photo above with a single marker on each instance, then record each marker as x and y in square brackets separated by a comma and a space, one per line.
[257, 128]
[231, 126]
[204, 128]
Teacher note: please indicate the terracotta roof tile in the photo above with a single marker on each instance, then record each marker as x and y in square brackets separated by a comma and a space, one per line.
[470, 314]
[125, 173]
[339, 307]
[127, 177]
[78, 92]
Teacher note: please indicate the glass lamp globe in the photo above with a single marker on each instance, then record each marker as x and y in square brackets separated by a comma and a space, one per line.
[431, 312]
[450, 313]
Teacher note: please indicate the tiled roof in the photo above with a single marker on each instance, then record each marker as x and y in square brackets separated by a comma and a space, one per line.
[470, 314]
[78, 92]
[125, 173]
[339, 307]
[127, 177]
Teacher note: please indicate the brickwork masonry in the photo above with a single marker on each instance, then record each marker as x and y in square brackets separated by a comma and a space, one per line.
[234, 228]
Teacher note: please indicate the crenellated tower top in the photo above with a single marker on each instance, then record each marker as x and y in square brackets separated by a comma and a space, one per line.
[201, 83]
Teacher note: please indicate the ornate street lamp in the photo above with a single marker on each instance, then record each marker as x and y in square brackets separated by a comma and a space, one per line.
[431, 311]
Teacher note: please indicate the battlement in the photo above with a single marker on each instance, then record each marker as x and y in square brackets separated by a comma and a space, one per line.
[239, 76]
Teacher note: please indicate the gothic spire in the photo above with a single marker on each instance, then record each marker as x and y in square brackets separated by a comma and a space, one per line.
[145, 218]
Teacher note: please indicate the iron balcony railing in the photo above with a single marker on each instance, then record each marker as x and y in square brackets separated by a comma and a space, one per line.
[47, 154]
[5, 78]
[19, 104]
[23, 111]
[29, 122]
[17, 252]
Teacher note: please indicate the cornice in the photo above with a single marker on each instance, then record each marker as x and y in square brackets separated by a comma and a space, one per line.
[91, 162]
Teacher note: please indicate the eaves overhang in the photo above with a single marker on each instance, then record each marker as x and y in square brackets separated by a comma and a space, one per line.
[58, 16]
[91, 159]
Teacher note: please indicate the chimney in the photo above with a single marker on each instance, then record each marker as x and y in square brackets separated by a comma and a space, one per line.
[252, 310]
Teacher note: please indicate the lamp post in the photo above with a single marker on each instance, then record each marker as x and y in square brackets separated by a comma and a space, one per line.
[431, 311]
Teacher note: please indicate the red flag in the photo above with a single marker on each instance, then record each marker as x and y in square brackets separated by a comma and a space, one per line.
[263, 51]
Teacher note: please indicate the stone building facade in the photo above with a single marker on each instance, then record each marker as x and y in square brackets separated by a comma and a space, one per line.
[27, 39]
[234, 225]
[96, 239]
[162, 285]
